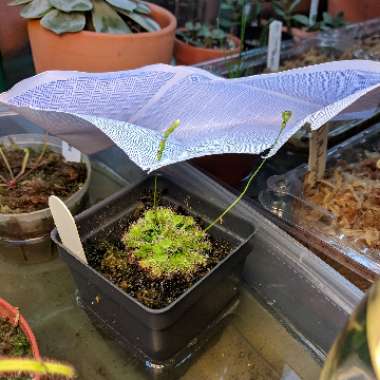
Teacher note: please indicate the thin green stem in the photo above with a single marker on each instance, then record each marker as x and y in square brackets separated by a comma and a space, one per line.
[24, 163]
[6, 162]
[155, 193]
[285, 118]
[160, 153]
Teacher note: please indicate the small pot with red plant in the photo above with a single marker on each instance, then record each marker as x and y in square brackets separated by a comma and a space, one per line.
[198, 42]
[16, 337]
[32, 168]
[20, 357]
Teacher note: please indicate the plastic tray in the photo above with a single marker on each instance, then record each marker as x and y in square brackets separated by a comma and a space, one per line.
[333, 43]
[284, 198]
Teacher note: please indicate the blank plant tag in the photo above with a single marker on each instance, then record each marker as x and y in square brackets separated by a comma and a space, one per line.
[70, 153]
[67, 229]
[274, 45]
[317, 154]
[313, 12]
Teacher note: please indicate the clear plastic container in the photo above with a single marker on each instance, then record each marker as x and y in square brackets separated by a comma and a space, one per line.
[322, 225]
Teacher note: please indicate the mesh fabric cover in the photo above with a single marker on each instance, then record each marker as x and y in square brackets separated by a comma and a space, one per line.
[133, 108]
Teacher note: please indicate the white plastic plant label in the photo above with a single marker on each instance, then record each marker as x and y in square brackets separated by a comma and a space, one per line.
[318, 153]
[313, 12]
[274, 45]
[70, 153]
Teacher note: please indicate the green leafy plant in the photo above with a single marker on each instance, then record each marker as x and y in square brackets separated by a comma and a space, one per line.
[203, 35]
[107, 16]
[233, 12]
[165, 242]
[329, 22]
[285, 10]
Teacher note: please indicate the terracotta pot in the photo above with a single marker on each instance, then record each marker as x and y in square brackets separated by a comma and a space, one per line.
[13, 35]
[300, 34]
[230, 169]
[10, 312]
[186, 54]
[99, 52]
[355, 10]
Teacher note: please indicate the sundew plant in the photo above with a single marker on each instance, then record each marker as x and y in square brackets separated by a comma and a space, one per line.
[164, 242]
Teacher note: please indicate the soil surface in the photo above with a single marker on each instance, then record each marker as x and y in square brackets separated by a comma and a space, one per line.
[45, 174]
[154, 293]
[13, 341]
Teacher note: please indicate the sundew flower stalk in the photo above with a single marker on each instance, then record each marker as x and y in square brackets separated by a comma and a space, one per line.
[286, 115]
[160, 152]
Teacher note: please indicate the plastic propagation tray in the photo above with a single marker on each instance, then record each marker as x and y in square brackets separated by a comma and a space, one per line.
[284, 198]
[335, 44]
[159, 334]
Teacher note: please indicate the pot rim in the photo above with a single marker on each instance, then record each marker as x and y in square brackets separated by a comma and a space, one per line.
[26, 329]
[52, 141]
[55, 237]
[171, 27]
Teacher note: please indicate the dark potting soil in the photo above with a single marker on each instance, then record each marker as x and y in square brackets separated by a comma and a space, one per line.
[46, 173]
[155, 293]
[13, 341]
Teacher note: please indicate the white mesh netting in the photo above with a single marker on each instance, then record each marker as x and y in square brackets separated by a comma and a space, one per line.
[217, 115]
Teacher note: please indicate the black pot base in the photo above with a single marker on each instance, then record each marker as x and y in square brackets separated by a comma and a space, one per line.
[176, 366]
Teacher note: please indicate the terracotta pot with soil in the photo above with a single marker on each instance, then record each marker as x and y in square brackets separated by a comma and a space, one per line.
[16, 336]
[31, 169]
[192, 47]
[157, 276]
[100, 52]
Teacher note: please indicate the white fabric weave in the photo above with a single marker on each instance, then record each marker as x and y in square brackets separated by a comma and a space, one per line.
[217, 115]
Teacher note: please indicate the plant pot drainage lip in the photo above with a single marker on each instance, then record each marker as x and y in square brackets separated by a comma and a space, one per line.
[55, 237]
[53, 142]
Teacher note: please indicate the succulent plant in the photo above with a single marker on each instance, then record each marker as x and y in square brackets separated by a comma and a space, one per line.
[203, 35]
[107, 16]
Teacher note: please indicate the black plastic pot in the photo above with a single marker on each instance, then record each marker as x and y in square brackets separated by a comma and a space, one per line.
[161, 333]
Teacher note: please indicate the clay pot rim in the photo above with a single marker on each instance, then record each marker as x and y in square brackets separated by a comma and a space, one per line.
[171, 27]
[24, 325]
[228, 51]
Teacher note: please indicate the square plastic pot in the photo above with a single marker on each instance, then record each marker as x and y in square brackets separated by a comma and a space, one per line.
[158, 334]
